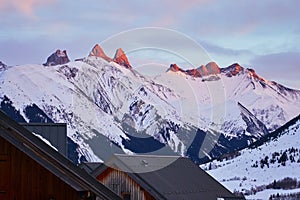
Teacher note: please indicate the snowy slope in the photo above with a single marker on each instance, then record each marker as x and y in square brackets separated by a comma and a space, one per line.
[95, 98]
[110, 108]
[270, 102]
[236, 102]
[252, 169]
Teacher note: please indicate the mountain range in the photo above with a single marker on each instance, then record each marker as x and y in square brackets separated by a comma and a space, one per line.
[109, 107]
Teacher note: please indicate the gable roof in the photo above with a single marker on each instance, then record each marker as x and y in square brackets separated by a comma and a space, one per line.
[179, 179]
[52, 160]
[90, 167]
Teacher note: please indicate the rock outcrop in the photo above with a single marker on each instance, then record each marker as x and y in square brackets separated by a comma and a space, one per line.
[204, 70]
[98, 52]
[2, 66]
[210, 69]
[57, 58]
[121, 58]
[175, 68]
[232, 70]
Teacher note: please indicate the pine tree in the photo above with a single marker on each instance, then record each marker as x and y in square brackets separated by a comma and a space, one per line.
[274, 185]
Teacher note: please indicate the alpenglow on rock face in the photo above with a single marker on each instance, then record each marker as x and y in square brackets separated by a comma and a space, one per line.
[204, 70]
[175, 68]
[97, 51]
[121, 58]
[232, 70]
[209, 69]
[57, 58]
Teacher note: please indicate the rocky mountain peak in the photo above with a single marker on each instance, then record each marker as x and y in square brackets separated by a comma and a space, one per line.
[252, 73]
[213, 68]
[193, 72]
[232, 70]
[57, 58]
[175, 68]
[210, 68]
[2, 66]
[98, 52]
[121, 58]
[204, 70]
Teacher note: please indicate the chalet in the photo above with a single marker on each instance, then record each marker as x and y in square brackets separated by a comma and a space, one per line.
[30, 169]
[145, 177]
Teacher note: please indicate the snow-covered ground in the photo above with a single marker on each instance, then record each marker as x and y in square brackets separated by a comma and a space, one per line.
[264, 195]
[241, 174]
[45, 140]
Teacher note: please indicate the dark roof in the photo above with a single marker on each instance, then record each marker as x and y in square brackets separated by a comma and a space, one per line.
[90, 167]
[55, 133]
[169, 177]
[52, 160]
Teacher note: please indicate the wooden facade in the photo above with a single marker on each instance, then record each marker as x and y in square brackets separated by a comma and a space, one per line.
[122, 184]
[136, 177]
[22, 178]
[30, 169]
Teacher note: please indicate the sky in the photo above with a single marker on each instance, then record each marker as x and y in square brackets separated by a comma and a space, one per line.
[263, 35]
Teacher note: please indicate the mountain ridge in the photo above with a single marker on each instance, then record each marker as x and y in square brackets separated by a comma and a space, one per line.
[108, 103]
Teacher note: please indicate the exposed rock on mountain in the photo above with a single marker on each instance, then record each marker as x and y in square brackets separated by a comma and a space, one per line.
[209, 69]
[204, 70]
[175, 68]
[2, 66]
[57, 58]
[232, 70]
[254, 75]
[121, 58]
[97, 51]
[254, 126]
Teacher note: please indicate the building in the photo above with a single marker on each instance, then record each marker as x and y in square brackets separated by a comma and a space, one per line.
[55, 133]
[145, 177]
[30, 169]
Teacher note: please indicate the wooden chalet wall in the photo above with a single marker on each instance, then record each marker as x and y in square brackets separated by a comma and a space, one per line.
[22, 178]
[122, 184]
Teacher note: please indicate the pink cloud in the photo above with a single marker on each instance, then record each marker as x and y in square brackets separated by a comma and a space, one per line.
[172, 10]
[25, 7]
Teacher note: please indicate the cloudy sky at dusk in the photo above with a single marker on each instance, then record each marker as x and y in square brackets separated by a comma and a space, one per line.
[264, 35]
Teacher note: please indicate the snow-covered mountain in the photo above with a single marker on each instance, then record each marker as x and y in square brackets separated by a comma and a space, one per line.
[109, 107]
[267, 168]
[253, 106]
[2, 66]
